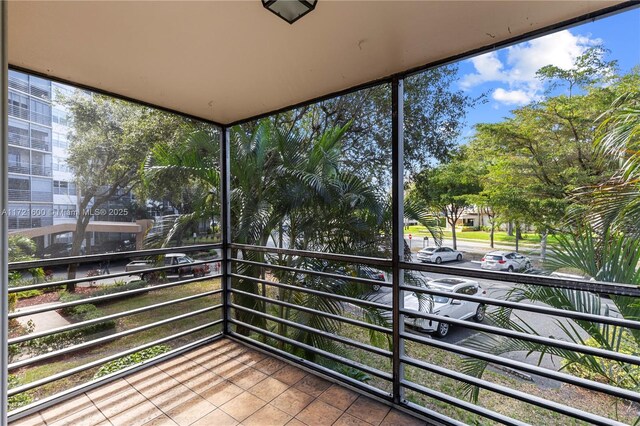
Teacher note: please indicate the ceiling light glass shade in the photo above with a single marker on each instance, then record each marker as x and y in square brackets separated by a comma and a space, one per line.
[290, 10]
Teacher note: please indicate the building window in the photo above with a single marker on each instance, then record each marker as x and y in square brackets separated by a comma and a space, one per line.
[19, 189]
[59, 117]
[41, 190]
[19, 81]
[40, 138]
[40, 112]
[18, 105]
[40, 88]
[18, 133]
[60, 140]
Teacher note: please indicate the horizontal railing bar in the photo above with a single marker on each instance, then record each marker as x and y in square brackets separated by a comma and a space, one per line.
[310, 365]
[80, 368]
[316, 292]
[523, 366]
[512, 393]
[467, 406]
[49, 284]
[337, 338]
[90, 300]
[41, 263]
[109, 338]
[355, 322]
[556, 343]
[312, 272]
[56, 398]
[329, 355]
[373, 261]
[74, 326]
[530, 279]
[528, 307]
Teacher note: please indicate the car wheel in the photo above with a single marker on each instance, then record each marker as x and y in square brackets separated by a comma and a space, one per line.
[144, 277]
[527, 266]
[480, 313]
[438, 260]
[442, 330]
[459, 257]
[376, 287]
[510, 268]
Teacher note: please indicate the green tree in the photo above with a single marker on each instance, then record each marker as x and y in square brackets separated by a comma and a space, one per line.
[545, 151]
[434, 115]
[446, 189]
[109, 140]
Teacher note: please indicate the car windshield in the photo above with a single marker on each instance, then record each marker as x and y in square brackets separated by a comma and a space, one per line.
[428, 250]
[493, 257]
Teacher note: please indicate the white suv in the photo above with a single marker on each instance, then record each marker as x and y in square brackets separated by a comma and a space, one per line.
[445, 306]
[505, 261]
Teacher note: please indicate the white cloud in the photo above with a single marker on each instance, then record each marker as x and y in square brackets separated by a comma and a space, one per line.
[488, 67]
[512, 97]
[517, 71]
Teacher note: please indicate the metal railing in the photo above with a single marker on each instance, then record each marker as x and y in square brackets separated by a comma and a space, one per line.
[168, 311]
[267, 309]
[259, 327]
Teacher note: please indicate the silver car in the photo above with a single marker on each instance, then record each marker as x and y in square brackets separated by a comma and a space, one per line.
[439, 255]
[445, 306]
[505, 261]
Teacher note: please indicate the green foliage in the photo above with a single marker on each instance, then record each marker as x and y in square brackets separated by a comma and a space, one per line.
[84, 312]
[13, 301]
[21, 399]
[130, 360]
[446, 189]
[114, 289]
[617, 374]
[21, 248]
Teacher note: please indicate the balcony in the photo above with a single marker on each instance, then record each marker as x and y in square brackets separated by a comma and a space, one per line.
[224, 382]
[278, 284]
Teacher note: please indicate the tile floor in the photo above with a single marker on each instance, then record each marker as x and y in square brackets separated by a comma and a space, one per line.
[224, 383]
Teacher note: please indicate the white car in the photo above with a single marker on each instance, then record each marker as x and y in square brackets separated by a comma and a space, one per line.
[438, 255]
[505, 261]
[445, 306]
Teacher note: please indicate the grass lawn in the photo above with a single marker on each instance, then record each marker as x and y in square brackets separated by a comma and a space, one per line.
[580, 398]
[499, 236]
[48, 368]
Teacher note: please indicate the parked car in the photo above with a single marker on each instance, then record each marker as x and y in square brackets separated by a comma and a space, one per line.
[179, 259]
[445, 306]
[439, 255]
[372, 274]
[56, 250]
[505, 261]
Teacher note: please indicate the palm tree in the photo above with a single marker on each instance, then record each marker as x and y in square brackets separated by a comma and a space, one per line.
[601, 242]
[292, 191]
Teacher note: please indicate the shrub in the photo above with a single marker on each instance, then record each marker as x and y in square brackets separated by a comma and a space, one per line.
[133, 285]
[21, 399]
[610, 371]
[133, 359]
[13, 300]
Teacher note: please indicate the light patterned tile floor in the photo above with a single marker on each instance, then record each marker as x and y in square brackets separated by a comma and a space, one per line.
[222, 384]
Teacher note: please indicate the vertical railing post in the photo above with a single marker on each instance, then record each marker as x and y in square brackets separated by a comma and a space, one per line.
[4, 224]
[225, 211]
[397, 192]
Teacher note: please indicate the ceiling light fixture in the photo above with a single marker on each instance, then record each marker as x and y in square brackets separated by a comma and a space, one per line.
[290, 10]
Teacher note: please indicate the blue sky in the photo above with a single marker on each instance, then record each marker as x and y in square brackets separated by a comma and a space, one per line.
[507, 76]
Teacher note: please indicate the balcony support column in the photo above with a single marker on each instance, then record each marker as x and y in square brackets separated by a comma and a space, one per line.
[225, 228]
[397, 250]
[4, 223]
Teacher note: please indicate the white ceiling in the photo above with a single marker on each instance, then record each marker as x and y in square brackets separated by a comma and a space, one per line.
[229, 60]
